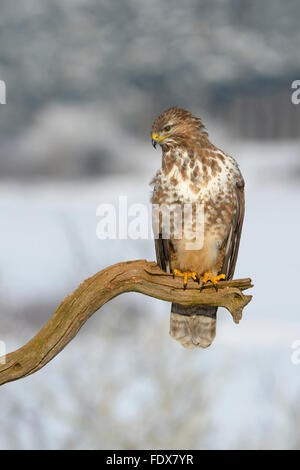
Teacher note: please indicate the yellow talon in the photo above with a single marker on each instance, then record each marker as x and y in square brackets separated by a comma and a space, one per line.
[208, 276]
[185, 275]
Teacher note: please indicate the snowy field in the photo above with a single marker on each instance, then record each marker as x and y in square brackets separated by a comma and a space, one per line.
[123, 382]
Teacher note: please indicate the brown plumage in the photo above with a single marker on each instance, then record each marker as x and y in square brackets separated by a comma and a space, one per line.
[197, 179]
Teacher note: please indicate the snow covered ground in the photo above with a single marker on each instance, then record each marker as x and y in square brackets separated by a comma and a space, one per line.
[123, 383]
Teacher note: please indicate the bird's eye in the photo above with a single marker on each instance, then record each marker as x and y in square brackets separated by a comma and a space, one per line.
[167, 128]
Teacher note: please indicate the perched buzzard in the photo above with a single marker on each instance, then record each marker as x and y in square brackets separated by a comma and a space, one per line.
[197, 175]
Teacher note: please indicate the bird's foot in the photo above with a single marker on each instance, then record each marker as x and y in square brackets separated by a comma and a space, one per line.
[208, 276]
[186, 275]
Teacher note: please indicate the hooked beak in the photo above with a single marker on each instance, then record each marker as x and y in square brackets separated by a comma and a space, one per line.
[155, 139]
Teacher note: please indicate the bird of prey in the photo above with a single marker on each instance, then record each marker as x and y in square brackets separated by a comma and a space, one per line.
[207, 181]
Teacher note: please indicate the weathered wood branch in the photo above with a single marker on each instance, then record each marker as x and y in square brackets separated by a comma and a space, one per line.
[133, 276]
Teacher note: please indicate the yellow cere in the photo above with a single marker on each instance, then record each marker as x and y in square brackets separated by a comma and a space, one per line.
[155, 137]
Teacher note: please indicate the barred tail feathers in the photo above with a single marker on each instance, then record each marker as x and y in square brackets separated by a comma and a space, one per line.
[193, 326]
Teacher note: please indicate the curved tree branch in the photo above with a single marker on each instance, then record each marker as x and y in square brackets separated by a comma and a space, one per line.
[132, 276]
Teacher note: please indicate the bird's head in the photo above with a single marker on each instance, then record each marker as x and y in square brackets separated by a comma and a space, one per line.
[175, 126]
